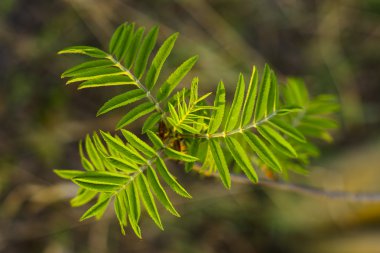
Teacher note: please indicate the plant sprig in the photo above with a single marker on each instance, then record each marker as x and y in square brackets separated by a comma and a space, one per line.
[267, 127]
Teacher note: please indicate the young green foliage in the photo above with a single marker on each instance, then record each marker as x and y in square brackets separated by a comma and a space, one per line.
[267, 127]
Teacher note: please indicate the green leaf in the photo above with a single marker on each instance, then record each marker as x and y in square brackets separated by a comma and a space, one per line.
[272, 95]
[93, 154]
[265, 154]
[96, 209]
[220, 162]
[193, 149]
[121, 40]
[122, 100]
[85, 163]
[318, 122]
[148, 200]
[237, 102]
[169, 179]
[288, 109]
[134, 208]
[86, 50]
[144, 53]
[295, 92]
[68, 174]
[287, 129]
[123, 164]
[175, 78]
[160, 192]
[101, 181]
[323, 104]
[123, 149]
[218, 113]
[107, 81]
[159, 60]
[83, 197]
[121, 211]
[262, 98]
[133, 201]
[312, 131]
[137, 112]
[99, 144]
[278, 142]
[250, 99]
[133, 49]
[174, 154]
[138, 143]
[173, 114]
[151, 121]
[95, 73]
[135, 226]
[241, 158]
[157, 142]
[116, 39]
[95, 64]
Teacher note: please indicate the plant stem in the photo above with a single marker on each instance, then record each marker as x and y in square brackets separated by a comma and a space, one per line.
[138, 84]
[238, 130]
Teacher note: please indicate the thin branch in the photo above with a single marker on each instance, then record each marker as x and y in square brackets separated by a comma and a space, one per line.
[361, 197]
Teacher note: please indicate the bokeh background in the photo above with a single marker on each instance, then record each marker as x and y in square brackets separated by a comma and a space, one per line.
[333, 45]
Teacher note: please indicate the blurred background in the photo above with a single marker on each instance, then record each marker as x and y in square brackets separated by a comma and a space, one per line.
[333, 45]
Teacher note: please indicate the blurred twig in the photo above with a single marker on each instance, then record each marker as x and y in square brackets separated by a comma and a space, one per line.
[303, 189]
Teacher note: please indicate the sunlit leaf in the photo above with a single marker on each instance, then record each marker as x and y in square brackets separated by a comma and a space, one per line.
[159, 60]
[107, 81]
[175, 78]
[241, 158]
[218, 113]
[96, 209]
[278, 142]
[86, 50]
[101, 181]
[138, 143]
[220, 162]
[144, 52]
[137, 112]
[147, 199]
[68, 174]
[250, 98]
[122, 100]
[261, 149]
[159, 191]
[262, 97]
[169, 179]
[237, 102]
[83, 197]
